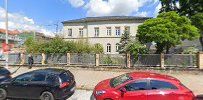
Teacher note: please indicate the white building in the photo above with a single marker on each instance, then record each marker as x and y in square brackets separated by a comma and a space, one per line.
[104, 30]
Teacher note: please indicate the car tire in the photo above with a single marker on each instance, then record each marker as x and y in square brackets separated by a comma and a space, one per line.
[3, 94]
[47, 96]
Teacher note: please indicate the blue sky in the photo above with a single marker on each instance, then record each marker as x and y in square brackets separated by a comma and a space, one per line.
[39, 13]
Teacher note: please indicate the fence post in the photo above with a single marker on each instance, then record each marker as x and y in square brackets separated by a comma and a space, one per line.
[68, 59]
[97, 60]
[162, 61]
[43, 58]
[128, 60]
[22, 57]
[200, 60]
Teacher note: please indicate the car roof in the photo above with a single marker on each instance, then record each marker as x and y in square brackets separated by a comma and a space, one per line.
[49, 71]
[152, 75]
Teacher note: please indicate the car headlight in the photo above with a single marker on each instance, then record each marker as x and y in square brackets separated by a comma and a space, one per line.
[98, 93]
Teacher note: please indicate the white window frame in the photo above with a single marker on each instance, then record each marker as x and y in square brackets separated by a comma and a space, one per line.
[70, 32]
[117, 47]
[81, 32]
[96, 31]
[108, 31]
[118, 31]
[108, 48]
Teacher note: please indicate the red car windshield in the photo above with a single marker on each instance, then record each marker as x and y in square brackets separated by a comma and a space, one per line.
[119, 80]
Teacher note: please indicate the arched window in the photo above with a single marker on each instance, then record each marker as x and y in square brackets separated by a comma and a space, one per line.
[108, 47]
[117, 47]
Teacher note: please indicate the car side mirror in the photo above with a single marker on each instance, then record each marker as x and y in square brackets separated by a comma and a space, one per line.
[123, 90]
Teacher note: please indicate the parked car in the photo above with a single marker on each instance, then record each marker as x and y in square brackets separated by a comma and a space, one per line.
[44, 84]
[142, 86]
[4, 74]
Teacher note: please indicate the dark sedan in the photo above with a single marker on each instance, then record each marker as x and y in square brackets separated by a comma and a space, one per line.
[43, 84]
[4, 74]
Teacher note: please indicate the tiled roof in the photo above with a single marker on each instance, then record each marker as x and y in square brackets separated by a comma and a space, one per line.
[14, 32]
[106, 18]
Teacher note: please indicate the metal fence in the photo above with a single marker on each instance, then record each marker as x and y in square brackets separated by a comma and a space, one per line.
[180, 60]
[14, 58]
[37, 58]
[82, 59]
[147, 60]
[56, 59]
[112, 60]
[120, 60]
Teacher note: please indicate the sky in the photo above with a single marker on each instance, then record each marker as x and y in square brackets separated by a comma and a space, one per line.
[43, 15]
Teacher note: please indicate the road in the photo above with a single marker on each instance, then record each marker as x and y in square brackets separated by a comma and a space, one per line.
[81, 95]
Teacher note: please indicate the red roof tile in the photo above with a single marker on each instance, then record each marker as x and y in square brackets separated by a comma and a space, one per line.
[14, 32]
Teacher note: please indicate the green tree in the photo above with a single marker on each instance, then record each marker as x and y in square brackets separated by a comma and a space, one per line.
[125, 39]
[136, 48]
[31, 45]
[186, 7]
[168, 5]
[193, 9]
[197, 20]
[98, 48]
[167, 30]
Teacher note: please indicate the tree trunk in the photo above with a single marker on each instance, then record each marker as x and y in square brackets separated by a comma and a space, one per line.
[167, 49]
[201, 41]
[160, 48]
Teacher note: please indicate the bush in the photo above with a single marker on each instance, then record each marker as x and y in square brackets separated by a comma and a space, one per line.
[58, 45]
[190, 50]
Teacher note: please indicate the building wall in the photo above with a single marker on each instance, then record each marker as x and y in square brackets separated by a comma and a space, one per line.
[103, 38]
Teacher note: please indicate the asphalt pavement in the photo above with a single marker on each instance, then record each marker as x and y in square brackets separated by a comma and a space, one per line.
[81, 95]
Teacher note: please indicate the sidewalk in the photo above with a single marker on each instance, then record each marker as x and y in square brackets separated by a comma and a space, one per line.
[87, 79]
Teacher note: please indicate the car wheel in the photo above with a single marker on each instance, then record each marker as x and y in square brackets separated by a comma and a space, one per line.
[46, 96]
[3, 94]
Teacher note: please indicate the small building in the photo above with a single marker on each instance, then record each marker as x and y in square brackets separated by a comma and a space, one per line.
[13, 37]
[104, 30]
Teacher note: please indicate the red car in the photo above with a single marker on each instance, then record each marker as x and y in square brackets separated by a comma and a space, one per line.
[142, 86]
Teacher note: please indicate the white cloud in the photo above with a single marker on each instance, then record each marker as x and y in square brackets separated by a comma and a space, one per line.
[116, 7]
[77, 3]
[21, 22]
[142, 14]
[157, 9]
[178, 4]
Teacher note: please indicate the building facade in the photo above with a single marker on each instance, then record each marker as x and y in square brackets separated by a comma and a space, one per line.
[104, 30]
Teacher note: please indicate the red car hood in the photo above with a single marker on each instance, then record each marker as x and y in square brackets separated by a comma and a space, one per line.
[103, 85]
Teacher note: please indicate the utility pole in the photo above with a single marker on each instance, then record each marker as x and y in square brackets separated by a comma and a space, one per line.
[6, 24]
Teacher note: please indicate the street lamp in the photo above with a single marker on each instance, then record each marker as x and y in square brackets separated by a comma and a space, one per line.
[6, 24]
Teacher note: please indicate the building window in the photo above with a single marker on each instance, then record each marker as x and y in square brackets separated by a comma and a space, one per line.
[108, 47]
[117, 47]
[69, 32]
[81, 32]
[118, 31]
[108, 31]
[96, 30]
[127, 29]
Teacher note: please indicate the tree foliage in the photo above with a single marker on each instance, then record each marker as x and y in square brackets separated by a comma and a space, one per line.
[135, 48]
[185, 7]
[167, 30]
[125, 39]
[193, 9]
[58, 45]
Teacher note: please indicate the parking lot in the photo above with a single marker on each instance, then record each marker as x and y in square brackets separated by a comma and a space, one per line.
[86, 79]
[81, 95]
